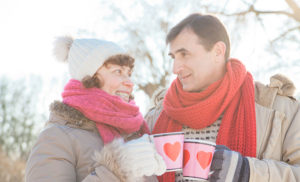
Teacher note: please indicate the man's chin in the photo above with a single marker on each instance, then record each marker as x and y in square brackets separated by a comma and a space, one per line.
[186, 88]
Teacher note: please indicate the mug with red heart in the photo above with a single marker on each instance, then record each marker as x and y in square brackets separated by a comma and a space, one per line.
[170, 147]
[197, 159]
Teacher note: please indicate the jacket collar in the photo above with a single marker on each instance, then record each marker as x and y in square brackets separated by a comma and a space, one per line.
[66, 115]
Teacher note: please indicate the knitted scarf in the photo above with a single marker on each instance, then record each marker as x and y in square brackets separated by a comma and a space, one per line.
[112, 116]
[232, 96]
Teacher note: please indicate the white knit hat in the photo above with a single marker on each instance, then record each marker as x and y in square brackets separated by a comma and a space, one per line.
[85, 56]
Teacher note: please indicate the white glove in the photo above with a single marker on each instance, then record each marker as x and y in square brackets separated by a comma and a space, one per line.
[141, 158]
[131, 161]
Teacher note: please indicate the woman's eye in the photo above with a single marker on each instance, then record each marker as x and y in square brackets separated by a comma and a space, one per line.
[118, 71]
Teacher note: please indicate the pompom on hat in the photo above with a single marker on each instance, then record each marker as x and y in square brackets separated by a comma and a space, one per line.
[84, 56]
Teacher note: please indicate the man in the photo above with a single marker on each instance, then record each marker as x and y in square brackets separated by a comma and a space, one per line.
[255, 127]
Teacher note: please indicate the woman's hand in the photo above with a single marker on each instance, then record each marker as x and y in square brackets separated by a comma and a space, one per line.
[142, 157]
[133, 160]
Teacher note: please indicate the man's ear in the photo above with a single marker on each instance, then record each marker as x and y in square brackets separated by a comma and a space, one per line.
[219, 51]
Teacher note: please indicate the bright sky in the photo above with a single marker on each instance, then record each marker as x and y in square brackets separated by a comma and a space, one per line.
[29, 27]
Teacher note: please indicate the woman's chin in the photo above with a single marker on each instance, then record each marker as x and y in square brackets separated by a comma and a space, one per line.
[123, 99]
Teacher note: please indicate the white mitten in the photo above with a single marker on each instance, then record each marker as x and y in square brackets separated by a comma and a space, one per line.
[133, 160]
[141, 158]
[160, 161]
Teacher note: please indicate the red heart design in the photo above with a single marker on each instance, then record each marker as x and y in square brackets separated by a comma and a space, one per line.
[186, 157]
[172, 150]
[204, 158]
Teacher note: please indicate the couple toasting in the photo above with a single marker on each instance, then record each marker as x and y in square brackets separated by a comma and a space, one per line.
[98, 134]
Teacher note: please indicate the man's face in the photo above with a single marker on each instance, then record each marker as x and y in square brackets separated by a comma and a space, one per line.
[195, 67]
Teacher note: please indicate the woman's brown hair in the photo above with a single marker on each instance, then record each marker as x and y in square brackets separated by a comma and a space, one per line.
[119, 59]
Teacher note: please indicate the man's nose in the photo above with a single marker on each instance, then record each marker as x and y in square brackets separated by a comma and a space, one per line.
[177, 66]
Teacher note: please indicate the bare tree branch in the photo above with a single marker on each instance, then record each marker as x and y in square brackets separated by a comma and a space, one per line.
[295, 9]
[295, 15]
[284, 34]
[258, 12]
[159, 72]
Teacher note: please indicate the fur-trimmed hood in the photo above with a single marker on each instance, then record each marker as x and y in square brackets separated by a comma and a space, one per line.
[66, 115]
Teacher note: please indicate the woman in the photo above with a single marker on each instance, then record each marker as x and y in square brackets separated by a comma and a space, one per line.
[97, 132]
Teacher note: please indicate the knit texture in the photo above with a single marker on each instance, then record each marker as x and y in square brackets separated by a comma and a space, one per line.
[112, 116]
[209, 133]
[84, 56]
[233, 96]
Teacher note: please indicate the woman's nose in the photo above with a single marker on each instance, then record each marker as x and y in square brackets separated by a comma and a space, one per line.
[127, 82]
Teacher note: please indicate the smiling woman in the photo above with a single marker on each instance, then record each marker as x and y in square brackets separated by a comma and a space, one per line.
[97, 132]
[114, 77]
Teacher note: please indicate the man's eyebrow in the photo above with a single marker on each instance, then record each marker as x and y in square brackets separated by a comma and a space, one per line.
[177, 51]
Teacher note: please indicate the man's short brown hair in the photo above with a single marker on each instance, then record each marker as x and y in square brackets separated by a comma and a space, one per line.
[208, 28]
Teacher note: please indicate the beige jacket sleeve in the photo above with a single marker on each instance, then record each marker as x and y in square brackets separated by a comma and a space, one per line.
[111, 156]
[288, 167]
[100, 174]
[280, 159]
[53, 158]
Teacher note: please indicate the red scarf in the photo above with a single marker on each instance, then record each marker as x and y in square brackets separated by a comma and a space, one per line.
[112, 116]
[232, 96]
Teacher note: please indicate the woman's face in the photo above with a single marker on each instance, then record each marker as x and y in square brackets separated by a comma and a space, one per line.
[115, 80]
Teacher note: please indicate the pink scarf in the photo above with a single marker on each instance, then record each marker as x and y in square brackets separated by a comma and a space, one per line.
[112, 116]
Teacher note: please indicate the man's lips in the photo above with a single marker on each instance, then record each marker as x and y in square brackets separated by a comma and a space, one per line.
[182, 78]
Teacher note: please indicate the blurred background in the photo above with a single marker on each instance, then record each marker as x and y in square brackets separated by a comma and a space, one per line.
[265, 36]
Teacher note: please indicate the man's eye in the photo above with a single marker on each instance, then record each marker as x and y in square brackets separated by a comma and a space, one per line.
[183, 54]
